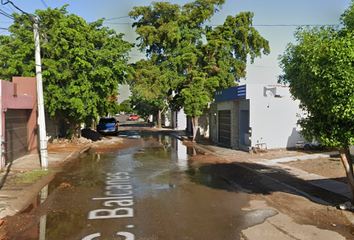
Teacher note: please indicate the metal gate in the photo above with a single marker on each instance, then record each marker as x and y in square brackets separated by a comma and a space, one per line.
[225, 127]
[16, 134]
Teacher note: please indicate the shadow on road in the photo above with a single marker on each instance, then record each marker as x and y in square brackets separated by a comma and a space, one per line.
[258, 179]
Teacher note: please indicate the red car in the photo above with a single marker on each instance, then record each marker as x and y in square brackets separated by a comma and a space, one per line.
[133, 117]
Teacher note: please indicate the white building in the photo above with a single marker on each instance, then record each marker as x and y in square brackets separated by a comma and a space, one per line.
[175, 120]
[255, 115]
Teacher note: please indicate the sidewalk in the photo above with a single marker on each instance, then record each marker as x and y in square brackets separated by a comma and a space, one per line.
[15, 199]
[274, 166]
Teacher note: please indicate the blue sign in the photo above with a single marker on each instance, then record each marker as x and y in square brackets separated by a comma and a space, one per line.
[230, 94]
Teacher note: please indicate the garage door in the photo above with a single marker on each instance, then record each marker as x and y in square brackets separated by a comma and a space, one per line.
[16, 134]
[225, 127]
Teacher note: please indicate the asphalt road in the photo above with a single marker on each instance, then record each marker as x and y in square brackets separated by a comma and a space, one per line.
[156, 189]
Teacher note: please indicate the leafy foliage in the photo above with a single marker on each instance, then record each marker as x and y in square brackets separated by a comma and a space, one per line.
[319, 73]
[151, 85]
[82, 63]
[196, 60]
[125, 106]
[319, 70]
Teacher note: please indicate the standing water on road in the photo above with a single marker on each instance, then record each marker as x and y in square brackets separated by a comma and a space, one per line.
[147, 191]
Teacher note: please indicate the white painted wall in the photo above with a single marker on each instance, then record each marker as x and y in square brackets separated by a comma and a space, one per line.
[168, 118]
[273, 120]
[181, 120]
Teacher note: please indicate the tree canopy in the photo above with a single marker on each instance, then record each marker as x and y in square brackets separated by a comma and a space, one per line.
[82, 63]
[319, 70]
[199, 59]
[151, 83]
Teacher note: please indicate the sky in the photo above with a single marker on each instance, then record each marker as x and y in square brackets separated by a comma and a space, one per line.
[276, 21]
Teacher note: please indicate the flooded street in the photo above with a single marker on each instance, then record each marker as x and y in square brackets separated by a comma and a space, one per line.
[147, 191]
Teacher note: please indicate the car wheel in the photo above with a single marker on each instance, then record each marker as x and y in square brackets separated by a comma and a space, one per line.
[307, 147]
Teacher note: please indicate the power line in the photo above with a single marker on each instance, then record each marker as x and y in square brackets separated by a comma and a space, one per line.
[296, 25]
[114, 18]
[119, 23]
[44, 3]
[8, 15]
[19, 9]
[8, 7]
[254, 25]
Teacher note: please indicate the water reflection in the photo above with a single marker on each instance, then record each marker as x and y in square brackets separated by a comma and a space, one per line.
[158, 164]
[179, 154]
[43, 219]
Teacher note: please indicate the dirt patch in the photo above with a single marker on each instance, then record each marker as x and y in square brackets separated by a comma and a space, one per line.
[66, 145]
[330, 167]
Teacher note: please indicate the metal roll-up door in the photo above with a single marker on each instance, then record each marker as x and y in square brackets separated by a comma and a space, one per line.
[225, 127]
[16, 134]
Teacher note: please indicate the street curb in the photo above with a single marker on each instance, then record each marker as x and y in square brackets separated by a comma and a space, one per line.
[24, 200]
[349, 215]
[27, 197]
[301, 193]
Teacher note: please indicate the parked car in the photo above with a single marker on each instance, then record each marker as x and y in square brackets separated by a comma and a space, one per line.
[304, 145]
[107, 125]
[132, 117]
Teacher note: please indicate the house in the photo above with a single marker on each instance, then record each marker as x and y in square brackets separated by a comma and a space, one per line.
[18, 119]
[255, 116]
[176, 120]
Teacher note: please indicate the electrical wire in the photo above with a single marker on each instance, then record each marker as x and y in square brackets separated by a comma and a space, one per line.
[19, 9]
[114, 18]
[8, 7]
[44, 3]
[6, 14]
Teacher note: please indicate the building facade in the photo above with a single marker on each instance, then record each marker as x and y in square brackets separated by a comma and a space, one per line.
[255, 116]
[18, 119]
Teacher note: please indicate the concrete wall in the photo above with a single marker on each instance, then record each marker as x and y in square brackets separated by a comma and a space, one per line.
[181, 123]
[268, 115]
[273, 117]
[204, 124]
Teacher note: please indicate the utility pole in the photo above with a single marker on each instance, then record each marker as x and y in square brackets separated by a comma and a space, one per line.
[40, 101]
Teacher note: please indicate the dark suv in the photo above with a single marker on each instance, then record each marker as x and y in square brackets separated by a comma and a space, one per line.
[107, 125]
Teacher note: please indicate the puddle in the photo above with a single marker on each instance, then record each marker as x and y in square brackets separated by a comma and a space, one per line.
[134, 137]
[170, 197]
[266, 170]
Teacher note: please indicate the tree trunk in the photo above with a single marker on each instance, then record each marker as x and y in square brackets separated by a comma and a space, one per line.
[159, 119]
[348, 166]
[195, 125]
[74, 131]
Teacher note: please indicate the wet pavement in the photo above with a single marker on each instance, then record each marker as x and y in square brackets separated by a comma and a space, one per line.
[147, 191]
[150, 191]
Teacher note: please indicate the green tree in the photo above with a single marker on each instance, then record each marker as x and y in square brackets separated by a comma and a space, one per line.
[143, 106]
[125, 106]
[199, 59]
[82, 63]
[152, 82]
[319, 70]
